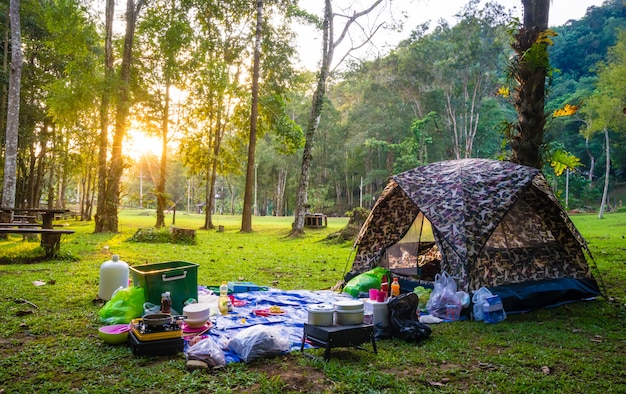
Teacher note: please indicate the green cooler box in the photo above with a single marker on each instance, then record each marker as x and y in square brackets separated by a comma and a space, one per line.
[178, 277]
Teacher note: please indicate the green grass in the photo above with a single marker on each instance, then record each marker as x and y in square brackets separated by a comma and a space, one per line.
[50, 344]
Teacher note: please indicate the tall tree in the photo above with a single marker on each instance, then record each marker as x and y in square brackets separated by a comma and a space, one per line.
[246, 220]
[219, 57]
[106, 217]
[163, 36]
[103, 147]
[529, 70]
[274, 47]
[467, 72]
[329, 44]
[605, 110]
[13, 108]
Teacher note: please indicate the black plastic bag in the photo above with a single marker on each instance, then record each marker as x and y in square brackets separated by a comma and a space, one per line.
[403, 318]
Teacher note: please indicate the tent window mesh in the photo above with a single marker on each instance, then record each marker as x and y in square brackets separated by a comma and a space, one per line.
[416, 249]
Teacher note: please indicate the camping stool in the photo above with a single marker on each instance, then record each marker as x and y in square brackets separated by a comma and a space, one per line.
[329, 337]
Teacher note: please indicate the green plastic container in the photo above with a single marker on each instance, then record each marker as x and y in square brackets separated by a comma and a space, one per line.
[180, 278]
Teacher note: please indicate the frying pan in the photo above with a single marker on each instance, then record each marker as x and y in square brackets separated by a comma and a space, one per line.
[160, 319]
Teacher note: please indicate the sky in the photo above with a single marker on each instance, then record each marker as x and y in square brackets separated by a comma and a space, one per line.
[420, 11]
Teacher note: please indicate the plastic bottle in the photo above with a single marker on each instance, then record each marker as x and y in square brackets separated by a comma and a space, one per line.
[166, 302]
[395, 288]
[222, 302]
[384, 286]
[493, 311]
[113, 275]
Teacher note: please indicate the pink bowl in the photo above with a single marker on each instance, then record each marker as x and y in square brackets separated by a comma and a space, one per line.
[114, 334]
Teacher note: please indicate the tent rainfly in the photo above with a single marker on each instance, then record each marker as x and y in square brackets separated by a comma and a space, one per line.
[485, 222]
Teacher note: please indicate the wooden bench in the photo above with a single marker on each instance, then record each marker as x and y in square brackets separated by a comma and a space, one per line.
[50, 237]
[24, 219]
[19, 225]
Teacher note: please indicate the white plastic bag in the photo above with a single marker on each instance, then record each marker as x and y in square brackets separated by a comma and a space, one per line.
[478, 299]
[259, 341]
[444, 297]
[464, 297]
[207, 350]
[430, 319]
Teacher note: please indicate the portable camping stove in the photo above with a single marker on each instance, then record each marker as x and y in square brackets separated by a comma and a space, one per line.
[145, 332]
[148, 340]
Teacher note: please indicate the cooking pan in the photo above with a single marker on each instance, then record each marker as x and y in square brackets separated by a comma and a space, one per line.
[160, 319]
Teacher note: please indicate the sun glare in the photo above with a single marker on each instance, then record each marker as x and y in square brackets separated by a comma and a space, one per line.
[138, 144]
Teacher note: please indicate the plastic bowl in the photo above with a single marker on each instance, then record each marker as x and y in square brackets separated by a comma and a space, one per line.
[197, 312]
[114, 334]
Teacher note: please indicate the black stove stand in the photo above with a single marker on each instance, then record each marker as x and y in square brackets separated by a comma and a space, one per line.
[338, 336]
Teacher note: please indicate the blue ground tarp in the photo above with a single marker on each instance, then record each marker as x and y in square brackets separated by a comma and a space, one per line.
[293, 302]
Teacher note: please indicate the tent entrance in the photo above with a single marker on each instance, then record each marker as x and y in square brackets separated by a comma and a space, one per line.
[416, 254]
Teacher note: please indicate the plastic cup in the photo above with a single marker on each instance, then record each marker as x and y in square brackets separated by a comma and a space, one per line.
[373, 294]
[380, 297]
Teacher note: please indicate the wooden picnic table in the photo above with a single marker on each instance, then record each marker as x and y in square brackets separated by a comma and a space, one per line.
[50, 237]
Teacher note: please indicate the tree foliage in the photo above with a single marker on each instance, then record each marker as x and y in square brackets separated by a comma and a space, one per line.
[433, 97]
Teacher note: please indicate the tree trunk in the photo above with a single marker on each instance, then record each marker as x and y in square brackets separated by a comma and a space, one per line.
[160, 189]
[529, 96]
[107, 219]
[313, 123]
[592, 162]
[212, 178]
[5, 69]
[208, 200]
[104, 118]
[246, 220]
[328, 49]
[52, 172]
[281, 184]
[13, 108]
[605, 193]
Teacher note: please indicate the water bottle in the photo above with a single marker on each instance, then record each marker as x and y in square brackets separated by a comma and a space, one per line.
[113, 275]
[493, 310]
[222, 302]
[395, 288]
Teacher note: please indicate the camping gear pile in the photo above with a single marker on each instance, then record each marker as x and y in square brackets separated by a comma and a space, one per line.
[487, 223]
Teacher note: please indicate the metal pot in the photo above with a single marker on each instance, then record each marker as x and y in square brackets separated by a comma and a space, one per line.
[320, 315]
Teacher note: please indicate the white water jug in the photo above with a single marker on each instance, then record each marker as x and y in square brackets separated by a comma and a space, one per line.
[113, 275]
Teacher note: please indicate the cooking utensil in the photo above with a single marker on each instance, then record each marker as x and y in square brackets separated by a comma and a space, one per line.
[160, 319]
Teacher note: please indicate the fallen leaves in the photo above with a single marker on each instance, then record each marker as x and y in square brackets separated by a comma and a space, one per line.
[440, 383]
[24, 313]
[597, 339]
[487, 366]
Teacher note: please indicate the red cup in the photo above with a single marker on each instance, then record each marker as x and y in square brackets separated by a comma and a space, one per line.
[380, 297]
[373, 294]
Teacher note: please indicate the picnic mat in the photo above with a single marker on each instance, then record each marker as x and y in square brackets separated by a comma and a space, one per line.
[293, 302]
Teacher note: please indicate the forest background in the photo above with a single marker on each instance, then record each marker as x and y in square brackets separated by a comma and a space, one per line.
[439, 95]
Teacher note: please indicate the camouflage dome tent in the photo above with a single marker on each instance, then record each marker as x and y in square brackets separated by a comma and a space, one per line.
[487, 223]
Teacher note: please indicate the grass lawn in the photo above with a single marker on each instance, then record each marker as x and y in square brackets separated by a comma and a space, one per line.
[49, 339]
